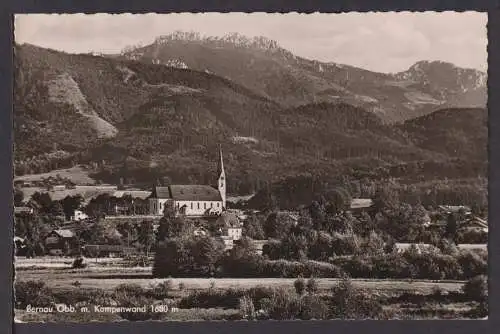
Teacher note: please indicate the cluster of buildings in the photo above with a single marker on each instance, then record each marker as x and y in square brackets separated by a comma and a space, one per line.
[203, 202]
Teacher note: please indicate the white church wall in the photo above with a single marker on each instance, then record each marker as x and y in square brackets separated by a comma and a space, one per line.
[157, 205]
[199, 208]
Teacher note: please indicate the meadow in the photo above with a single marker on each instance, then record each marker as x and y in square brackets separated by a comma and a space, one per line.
[213, 298]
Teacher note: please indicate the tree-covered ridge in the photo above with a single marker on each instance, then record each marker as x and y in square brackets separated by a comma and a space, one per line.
[169, 122]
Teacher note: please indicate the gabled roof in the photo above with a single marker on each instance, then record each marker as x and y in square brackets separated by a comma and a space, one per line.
[23, 209]
[361, 203]
[161, 192]
[187, 193]
[64, 233]
[454, 208]
[132, 193]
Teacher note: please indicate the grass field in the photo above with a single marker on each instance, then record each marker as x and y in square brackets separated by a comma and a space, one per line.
[77, 174]
[107, 273]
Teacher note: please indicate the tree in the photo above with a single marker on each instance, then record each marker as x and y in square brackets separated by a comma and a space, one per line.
[451, 227]
[385, 198]
[56, 209]
[253, 228]
[318, 213]
[43, 200]
[146, 235]
[95, 234]
[34, 236]
[172, 226]
[339, 200]
[99, 206]
[18, 197]
[278, 225]
[364, 224]
[206, 252]
[127, 229]
[70, 204]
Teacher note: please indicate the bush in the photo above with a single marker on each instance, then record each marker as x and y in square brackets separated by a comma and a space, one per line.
[313, 307]
[284, 305]
[182, 286]
[480, 311]
[78, 263]
[141, 315]
[229, 298]
[34, 293]
[477, 288]
[162, 290]
[247, 309]
[312, 286]
[212, 298]
[284, 268]
[300, 285]
[473, 263]
[124, 291]
[81, 295]
[351, 303]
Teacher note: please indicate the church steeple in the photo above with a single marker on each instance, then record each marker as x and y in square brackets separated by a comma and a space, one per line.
[221, 184]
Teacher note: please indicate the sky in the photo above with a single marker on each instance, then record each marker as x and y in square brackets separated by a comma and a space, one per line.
[382, 42]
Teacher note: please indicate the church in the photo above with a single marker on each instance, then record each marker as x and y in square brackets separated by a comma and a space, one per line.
[191, 200]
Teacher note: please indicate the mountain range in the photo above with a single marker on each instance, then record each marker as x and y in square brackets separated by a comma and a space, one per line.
[161, 110]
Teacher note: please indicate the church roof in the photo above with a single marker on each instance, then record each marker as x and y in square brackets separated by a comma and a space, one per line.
[188, 193]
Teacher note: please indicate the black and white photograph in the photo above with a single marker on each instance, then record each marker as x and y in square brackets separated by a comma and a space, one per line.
[250, 166]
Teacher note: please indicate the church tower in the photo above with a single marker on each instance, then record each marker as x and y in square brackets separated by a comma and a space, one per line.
[221, 184]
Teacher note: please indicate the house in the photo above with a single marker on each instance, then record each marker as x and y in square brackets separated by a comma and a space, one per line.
[360, 204]
[20, 245]
[191, 200]
[231, 226]
[61, 241]
[475, 223]
[200, 231]
[23, 210]
[227, 241]
[79, 215]
[420, 247]
[448, 209]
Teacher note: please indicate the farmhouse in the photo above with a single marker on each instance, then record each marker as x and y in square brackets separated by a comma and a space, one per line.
[60, 241]
[191, 200]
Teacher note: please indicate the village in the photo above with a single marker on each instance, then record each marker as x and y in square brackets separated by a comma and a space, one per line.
[213, 213]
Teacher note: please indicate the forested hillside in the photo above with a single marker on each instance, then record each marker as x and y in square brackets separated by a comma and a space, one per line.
[144, 122]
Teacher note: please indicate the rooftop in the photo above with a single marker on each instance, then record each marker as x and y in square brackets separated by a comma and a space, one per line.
[64, 233]
[187, 193]
[361, 203]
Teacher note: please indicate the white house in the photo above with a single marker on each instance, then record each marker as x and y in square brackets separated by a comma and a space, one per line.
[191, 200]
[79, 215]
[231, 227]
